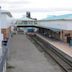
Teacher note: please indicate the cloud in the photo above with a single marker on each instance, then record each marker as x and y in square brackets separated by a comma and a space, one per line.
[22, 9]
[19, 7]
[15, 2]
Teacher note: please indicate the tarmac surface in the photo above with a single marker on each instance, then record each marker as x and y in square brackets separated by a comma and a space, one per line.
[24, 56]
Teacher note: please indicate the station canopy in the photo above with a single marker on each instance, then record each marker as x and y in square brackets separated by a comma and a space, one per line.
[55, 30]
[55, 17]
[25, 19]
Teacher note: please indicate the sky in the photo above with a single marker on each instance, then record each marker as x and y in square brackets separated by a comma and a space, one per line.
[39, 8]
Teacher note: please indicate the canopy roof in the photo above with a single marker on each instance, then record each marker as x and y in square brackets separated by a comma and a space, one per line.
[54, 17]
[55, 30]
[26, 19]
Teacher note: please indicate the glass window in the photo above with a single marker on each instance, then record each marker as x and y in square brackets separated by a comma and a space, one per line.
[24, 22]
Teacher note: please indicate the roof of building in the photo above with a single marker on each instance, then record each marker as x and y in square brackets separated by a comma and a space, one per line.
[6, 12]
[26, 19]
[54, 17]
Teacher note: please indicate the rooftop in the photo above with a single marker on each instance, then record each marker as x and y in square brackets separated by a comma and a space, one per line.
[54, 17]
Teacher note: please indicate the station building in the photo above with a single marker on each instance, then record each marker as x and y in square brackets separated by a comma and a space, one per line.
[57, 27]
[26, 21]
[5, 23]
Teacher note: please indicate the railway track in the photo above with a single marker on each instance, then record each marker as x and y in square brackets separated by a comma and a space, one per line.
[49, 49]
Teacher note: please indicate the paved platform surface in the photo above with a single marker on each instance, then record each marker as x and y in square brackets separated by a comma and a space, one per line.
[25, 57]
[64, 47]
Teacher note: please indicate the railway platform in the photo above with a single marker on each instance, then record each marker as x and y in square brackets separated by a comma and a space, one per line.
[61, 47]
[25, 57]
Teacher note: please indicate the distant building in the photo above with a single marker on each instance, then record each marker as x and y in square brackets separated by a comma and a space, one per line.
[26, 20]
[28, 14]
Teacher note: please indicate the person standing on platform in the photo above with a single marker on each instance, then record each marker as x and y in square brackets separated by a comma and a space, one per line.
[68, 39]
